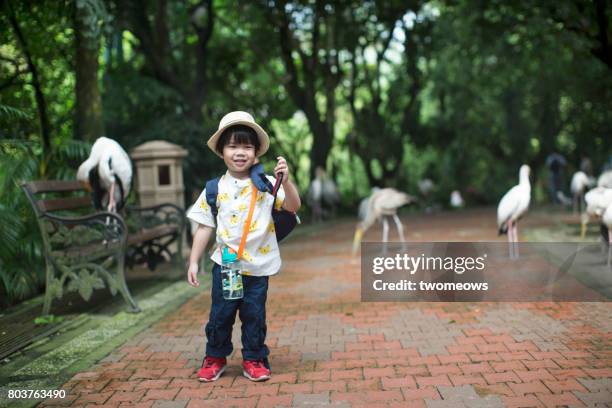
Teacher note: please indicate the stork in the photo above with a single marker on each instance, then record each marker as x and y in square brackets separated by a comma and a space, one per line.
[456, 201]
[512, 207]
[426, 186]
[322, 192]
[579, 185]
[108, 172]
[381, 204]
[363, 204]
[605, 179]
[331, 195]
[597, 201]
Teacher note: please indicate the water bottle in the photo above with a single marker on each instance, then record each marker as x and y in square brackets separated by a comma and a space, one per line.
[231, 276]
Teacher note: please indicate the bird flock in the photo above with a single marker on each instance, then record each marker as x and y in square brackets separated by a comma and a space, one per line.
[594, 204]
[108, 173]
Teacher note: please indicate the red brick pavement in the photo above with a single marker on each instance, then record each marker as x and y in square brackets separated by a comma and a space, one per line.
[328, 348]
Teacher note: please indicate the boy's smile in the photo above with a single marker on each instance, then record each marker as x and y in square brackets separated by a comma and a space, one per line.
[239, 158]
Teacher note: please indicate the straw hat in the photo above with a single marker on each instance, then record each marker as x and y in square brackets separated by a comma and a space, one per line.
[239, 118]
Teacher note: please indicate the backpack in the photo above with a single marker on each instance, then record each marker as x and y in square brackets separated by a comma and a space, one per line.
[284, 221]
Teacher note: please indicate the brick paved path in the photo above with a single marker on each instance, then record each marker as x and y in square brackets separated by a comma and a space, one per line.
[329, 349]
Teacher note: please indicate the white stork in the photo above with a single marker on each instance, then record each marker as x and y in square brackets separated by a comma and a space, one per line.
[597, 201]
[579, 185]
[381, 204]
[512, 207]
[108, 172]
[605, 179]
[363, 205]
[456, 201]
[322, 192]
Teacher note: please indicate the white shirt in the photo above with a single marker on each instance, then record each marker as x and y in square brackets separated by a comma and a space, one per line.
[261, 256]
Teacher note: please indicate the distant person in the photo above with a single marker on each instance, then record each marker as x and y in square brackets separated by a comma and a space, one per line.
[586, 166]
[427, 187]
[555, 163]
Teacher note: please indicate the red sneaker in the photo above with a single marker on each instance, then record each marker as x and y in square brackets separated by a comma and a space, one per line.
[255, 370]
[212, 368]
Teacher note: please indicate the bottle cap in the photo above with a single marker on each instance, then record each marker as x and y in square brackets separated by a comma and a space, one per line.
[228, 255]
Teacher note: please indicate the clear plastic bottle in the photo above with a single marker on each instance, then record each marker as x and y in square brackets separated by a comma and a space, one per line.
[231, 275]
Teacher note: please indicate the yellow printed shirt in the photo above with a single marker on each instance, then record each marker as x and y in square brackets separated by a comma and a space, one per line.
[261, 256]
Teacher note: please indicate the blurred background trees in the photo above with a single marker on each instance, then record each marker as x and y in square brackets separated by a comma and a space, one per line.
[379, 93]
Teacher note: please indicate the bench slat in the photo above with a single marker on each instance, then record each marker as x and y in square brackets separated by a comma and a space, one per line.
[48, 186]
[57, 204]
[151, 233]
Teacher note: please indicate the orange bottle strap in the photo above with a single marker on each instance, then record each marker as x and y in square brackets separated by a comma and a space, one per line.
[247, 223]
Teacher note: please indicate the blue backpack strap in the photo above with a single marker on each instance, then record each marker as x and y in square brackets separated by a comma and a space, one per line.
[258, 177]
[212, 190]
[284, 221]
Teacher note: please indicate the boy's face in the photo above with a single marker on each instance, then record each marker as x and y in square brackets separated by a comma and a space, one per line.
[238, 157]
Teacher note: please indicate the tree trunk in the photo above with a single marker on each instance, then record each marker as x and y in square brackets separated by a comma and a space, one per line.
[321, 144]
[548, 128]
[304, 96]
[89, 124]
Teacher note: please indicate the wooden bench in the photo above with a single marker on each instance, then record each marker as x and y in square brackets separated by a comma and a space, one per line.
[87, 250]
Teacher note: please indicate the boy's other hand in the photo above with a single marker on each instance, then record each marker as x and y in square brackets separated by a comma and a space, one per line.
[192, 275]
[281, 167]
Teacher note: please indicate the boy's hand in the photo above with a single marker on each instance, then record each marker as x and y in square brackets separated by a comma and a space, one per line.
[281, 167]
[192, 275]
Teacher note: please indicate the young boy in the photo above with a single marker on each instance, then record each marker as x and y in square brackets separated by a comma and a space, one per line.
[239, 141]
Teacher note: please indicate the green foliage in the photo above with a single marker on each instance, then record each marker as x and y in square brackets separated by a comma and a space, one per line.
[22, 266]
[48, 319]
[48, 32]
[8, 114]
[510, 88]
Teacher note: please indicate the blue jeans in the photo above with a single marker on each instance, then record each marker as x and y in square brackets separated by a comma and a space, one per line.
[252, 312]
